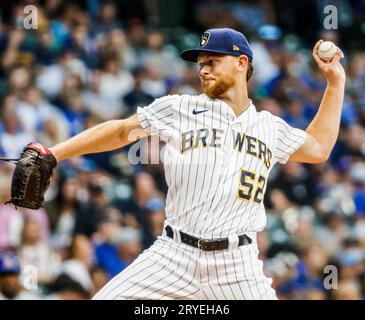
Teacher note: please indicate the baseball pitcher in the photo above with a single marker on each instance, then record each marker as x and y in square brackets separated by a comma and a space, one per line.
[219, 154]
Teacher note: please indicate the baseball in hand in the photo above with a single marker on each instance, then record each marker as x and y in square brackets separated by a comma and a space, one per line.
[327, 50]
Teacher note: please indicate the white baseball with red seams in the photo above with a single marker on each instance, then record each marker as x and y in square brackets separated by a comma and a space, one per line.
[216, 167]
[327, 50]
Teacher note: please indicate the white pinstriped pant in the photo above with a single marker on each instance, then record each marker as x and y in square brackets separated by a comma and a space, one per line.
[173, 270]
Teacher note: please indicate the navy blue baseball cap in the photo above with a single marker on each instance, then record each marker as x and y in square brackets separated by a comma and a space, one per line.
[221, 40]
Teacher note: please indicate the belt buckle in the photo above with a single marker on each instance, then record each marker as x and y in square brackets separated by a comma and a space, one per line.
[199, 243]
[206, 245]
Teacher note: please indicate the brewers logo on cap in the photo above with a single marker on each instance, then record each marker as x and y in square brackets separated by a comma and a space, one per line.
[205, 38]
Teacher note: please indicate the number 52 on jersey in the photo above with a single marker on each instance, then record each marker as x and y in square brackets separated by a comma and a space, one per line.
[251, 186]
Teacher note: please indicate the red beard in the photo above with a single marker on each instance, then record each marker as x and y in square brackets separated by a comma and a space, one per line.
[218, 87]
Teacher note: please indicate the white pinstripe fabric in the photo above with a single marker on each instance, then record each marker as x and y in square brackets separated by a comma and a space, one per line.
[203, 181]
[171, 270]
[202, 200]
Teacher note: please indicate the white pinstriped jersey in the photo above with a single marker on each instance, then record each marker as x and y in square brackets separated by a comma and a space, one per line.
[217, 164]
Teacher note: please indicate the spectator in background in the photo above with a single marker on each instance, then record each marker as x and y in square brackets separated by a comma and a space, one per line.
[359, 233]
[278, 228]
[285, 82]
[115, 81]
[105, 246]
[98, 103]
[335, 193]
[137, 97]
[350, 147]
[311, 265]
[157, 55]
[37, 253]
[52, 79]
[12, 50]
[11, 220]
[89, 215]
[63, 18]
[215, 15]
[13, 138]
[299, 278]
[116, 42]
[190, 83]
[19, 81]
[144, 190]
[271, 105]
[297, 184]
[136, 33]
[84, 46]
[99, 278]
[64, 219]
[155, 220]
[46, 43]
[265, 67]
[80, 262]
[72, 85]
[357, 174]
[351, 262]
[53, 131]
[10, 286]
[34, 110]
[129, 244]
[75, 112]
[295, 113]
[65, 287]
[22, 47]
[355, 81]
[153, 84]
[252, 14]
[332, 232]
[107, 20]
[347, 290]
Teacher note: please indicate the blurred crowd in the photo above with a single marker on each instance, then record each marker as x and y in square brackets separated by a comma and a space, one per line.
[89, 64]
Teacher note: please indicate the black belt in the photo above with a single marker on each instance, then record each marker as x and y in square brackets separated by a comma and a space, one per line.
[207, 245]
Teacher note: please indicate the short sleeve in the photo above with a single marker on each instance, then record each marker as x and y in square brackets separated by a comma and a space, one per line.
[158, 117]
[288, 140]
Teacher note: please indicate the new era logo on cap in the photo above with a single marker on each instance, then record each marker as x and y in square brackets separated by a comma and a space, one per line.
[220, 40]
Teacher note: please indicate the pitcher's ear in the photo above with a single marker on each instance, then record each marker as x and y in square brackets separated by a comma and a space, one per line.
[243, 61]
